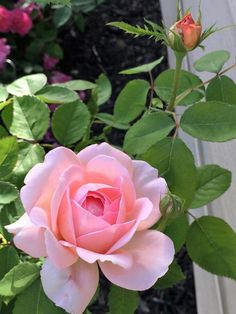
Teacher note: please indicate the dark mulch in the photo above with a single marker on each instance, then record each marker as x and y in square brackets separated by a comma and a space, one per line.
[105, 49]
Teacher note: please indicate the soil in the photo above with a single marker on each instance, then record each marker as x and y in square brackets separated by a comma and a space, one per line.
[104, 49]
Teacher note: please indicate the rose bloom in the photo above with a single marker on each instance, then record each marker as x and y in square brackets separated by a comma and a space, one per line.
[21, 22]
[59, 77]
[189, 31]
[5, 20]
[4, 52]
[49, 62]
[88, 210]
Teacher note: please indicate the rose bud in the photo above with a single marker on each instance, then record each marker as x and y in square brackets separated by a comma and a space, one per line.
[5, 20]
[188, 31]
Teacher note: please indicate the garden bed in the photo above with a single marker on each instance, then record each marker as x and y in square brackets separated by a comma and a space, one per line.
[104, 49]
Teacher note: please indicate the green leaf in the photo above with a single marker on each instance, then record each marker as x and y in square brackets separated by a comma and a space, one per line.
[130, 103]
[28, 118]
[211, 121]
[177, 231]
[3, 132]
[175, 163]
[172, 277]
[103, 90]
[212, 182]
[147, 131]
[34, 301]
[70, 122]
[54, 50]
[109, 120]
[77, 85]
[222, 88]
[57, 95]
[3, 93]
[164, 86]
[211, 243]
[28, 156]
[27, 85]
[148, 67]
[18, 278]
[8, 155]
[8, 259]
[122, 300]
[61, 16]
[212, 62]
[8, 192]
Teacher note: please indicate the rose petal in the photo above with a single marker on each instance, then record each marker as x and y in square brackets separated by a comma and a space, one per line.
[71, 288]
[23, 222]
[101, 241]
[152, 253]
[148, 184]
[60, 255]
[105, 149]
[36, 192]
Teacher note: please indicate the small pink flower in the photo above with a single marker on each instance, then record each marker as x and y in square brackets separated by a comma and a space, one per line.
[21, 22]
[5, 20]
[59, 77]
[49, 62]
[88, 210]
[4, 52]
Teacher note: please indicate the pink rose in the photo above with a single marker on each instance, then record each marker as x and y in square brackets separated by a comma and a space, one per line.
[5, 20]
[59, 77]
[21, 22]
[4, 52]
[93, 209]
[49, 62]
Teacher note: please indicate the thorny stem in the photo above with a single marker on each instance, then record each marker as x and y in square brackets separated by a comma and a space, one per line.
[152, 90]
[179, 61]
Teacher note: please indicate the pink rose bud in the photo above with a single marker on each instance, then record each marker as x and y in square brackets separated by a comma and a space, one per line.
[93, 209]
[49, 62]
[21, 22]
[188, 30]
[4, 52]
[5, 20]
[59, 77]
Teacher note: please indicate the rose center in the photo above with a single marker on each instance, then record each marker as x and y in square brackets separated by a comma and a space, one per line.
[94, 204]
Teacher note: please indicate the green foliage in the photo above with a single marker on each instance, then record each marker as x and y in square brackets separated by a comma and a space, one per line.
[70, 122]
[27, 85]
[109, 120]
[130, 103]
[27, 118]
[143, 68]
[175, 163]
[8, 155]
[3, 132]
[164, 86]
[61, 16]
[147, 131]
[177, 230]
[34, 300]
[172, 277]
[122, 300]
[8, 259]
[212, 181]
[152, 30]
[77, 85]
[103, 91]
[8, 192]
[18, 278]
[61, 2]
[222, 88]
[3, 93]
[210, 121]
[212, 62]
[28, 156]
[211, 244]
[57, 95]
